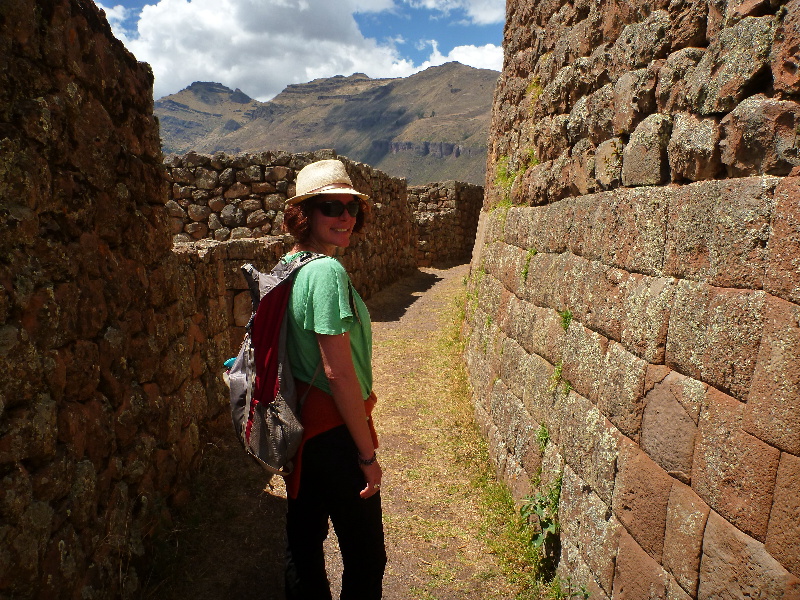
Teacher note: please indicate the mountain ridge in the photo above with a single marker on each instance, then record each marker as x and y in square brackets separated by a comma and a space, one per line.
[430, 126]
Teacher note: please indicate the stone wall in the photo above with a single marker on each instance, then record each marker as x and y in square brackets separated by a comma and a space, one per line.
[446, 215]
[634, 308]
[225, 197]
[111, 337]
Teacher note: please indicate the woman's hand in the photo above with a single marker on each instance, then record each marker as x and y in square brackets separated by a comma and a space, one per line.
[373, 474]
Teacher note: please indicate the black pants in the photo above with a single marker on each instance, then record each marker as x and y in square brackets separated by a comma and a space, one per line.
[330, 482]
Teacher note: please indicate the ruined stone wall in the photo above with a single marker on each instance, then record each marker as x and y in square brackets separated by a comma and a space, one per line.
[111, 341]
[225, 197]
[446, 215]
[634, 308]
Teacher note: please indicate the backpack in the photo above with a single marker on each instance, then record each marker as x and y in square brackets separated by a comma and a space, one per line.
[264, 405]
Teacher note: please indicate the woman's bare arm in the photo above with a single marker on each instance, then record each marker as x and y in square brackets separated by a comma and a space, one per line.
[337, 360]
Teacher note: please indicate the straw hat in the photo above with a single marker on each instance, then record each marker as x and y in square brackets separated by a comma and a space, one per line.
[324, 177]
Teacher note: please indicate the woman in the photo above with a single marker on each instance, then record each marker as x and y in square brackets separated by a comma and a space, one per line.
[337, 473]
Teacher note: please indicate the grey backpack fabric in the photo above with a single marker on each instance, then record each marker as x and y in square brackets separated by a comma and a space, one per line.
[264, 405]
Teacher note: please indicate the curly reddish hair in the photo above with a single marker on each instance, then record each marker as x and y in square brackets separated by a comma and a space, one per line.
[296, 218]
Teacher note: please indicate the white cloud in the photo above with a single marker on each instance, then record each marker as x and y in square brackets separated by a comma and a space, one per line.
[261, 46]
[479, 12]
[488, 56]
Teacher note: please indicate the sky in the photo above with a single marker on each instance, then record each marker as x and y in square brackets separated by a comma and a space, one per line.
[261, 46]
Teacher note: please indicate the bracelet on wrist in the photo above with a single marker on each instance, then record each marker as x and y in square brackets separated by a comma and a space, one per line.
[367, 461]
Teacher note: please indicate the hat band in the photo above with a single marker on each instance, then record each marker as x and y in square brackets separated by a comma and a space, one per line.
[331, 186]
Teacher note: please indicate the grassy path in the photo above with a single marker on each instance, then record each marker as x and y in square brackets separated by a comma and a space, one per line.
[444, 533]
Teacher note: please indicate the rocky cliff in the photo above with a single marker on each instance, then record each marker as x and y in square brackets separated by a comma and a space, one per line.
[634, 308]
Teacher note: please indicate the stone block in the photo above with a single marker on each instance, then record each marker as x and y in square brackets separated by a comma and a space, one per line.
[688, 19]
[683, 539]
[730, 66]
[693, 148]
[596, 298]
[783, 533]
[576, 575]
[644, 159]
[735, 324]
[205, 179]
[760, 136]
[29, 432]
[714, 334]
[634, 99]
[545, 285]
[633, 224]
[637, 575]
[671, 94]
[537, 396]
[582, 170]
[621, 394]
[641, 494]
[584, 356]
[647, 302]
[577, 126]
[590, 444]
[736, 566]
[640, 43]
[785, 74]
[600, 109]
[668, 430]
[773, 404]
[608, 163]
[588, 528]
[733, 471]
[550, 136]
[783, 248]
[718, 232]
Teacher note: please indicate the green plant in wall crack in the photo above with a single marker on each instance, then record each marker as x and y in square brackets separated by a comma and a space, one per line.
[555, 378]
[528, 257]
[546, 537]
[542, 437]
[504, 176]
[566, 318]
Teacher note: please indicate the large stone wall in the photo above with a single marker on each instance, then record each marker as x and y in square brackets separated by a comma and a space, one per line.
[634, 309]
[111, 337]
[446, 215]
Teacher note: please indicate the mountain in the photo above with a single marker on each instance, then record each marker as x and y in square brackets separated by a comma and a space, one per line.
[431, 126]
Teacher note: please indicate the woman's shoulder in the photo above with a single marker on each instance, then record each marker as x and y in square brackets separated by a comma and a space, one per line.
[323, 267]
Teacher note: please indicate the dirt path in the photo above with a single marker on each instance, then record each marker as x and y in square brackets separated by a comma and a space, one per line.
[230, 541]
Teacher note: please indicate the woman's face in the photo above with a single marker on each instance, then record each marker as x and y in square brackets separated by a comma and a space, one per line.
[331, 232]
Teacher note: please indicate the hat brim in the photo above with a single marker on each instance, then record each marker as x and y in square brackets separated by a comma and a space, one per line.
[338, 190]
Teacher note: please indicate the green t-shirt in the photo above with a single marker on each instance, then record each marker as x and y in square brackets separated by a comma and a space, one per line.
[320, 303]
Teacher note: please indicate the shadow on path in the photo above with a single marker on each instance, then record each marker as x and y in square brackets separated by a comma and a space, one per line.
[229, 539]
[391, 304]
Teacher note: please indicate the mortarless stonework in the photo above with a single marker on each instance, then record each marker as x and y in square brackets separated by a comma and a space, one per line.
[634, 290]
[113, 333]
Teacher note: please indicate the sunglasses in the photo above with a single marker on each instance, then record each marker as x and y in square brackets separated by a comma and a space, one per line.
[334, 208]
